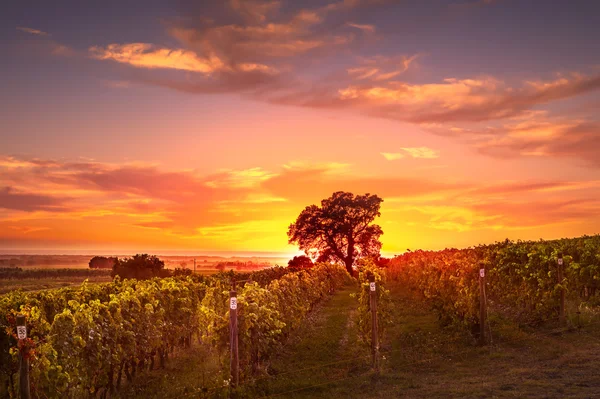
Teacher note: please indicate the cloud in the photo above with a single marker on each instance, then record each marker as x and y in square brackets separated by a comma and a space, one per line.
[392, 156]
[32, 31]
[144, 55]
[527, 214]
[244, 46]
[255, 11]
[28, 229]
[239, 179]
[532, 134]
[363, 27]
[140, 203]
[461, 100]
[271, 51]
[61, 50]
[414, 152]
[29, 202]
[381, 68]
[422, 152]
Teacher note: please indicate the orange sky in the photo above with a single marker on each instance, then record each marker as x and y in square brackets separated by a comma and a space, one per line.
[176, 131]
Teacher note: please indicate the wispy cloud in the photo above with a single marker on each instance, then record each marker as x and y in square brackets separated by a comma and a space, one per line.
[421, 152]
[32, 31]
[28, 202]
[472, 100]
[364, 27]
[144, 55]
[381, 68]
[393, 156]
[413, 152]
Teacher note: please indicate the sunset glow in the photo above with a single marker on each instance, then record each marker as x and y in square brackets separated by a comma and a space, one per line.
[209, 126]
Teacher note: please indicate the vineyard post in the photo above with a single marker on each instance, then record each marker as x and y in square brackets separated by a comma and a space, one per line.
[561, 311]
[233, 338]
[482, 305]
[23, 358]
[194, 265]
[374, 329]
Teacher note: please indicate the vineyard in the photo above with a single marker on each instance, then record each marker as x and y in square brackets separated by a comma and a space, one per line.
[94, 340]
[83, 342]
[522, 279]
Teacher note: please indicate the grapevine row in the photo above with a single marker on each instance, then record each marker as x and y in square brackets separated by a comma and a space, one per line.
[522, 281]
[86, 341]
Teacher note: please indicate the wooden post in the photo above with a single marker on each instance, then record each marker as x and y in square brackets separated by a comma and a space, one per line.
[233, 339]
[23, 359]
[194, 265]
[482, 306]
[561, 310]
[374, 326]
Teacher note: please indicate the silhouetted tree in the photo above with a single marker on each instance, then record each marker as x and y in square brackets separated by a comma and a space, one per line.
[139, 266]
[340, 229]
[102, 262]
[300, 262]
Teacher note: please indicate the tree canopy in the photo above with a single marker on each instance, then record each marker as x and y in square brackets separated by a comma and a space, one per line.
[102, 262]
[300, 262]
[340, 230]
[140, 267]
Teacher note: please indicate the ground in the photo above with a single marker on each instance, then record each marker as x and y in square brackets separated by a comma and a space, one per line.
[325, 359]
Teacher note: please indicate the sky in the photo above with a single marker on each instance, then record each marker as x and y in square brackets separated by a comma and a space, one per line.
[210, 125]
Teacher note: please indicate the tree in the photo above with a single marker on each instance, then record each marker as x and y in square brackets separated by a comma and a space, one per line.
[340, 229]
[139, 266]
[300, 262]
[102, 262]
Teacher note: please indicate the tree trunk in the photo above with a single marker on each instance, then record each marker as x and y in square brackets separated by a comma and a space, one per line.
[349, 261]
[349, 268]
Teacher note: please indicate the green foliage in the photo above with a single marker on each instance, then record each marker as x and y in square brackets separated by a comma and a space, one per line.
[369, 271]
[83, 341]
[522, 280]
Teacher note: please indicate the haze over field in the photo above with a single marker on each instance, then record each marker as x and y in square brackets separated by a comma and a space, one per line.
[203, 127]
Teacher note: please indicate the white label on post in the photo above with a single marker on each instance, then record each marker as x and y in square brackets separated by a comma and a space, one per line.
[482, 272]
[560, 261]
[233, 303]
[22, 332]
[372, 285]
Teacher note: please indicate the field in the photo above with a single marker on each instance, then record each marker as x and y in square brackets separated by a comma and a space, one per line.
[304, 333]
[203, 263]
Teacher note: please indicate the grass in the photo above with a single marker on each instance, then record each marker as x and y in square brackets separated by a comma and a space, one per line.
[325, 359]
